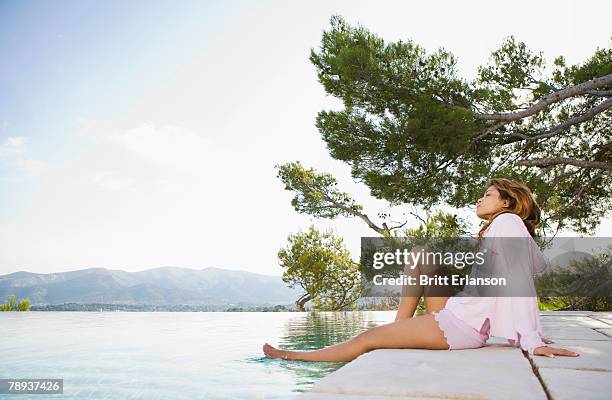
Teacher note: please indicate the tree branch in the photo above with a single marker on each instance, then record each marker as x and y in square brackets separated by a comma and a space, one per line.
[355, 213]
[579, 193]
[545, 162]
[487, 131]
[398, 226]
[562, 94]
[416, 215]
[562, 175]
[587, 186]
[589, 114]
[603, 148]
[604, 93]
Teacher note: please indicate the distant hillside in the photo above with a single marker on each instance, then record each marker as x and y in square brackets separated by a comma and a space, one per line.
[159, 286]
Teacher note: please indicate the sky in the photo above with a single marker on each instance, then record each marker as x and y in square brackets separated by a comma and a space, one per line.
[142, 134]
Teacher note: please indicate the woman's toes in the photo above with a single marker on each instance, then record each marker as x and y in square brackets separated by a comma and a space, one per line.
[271, 351]
[267, 349]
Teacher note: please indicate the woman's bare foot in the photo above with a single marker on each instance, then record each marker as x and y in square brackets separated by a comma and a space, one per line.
[273, 352]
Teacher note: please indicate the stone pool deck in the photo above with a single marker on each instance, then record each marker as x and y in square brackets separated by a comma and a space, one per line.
[496, 371]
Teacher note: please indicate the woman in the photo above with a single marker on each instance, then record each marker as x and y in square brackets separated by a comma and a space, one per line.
[459, 322]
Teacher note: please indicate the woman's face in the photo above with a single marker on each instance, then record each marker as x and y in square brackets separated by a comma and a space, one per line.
[490, 203]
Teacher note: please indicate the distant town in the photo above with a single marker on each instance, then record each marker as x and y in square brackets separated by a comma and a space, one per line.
[101, 307]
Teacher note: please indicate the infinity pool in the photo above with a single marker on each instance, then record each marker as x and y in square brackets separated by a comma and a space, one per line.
[163, 355]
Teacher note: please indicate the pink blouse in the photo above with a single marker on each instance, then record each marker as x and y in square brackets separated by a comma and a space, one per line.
[514, 318]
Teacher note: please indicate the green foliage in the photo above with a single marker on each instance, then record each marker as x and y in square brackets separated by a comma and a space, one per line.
[321, 265]
[13, 305]
[439, 232]
[565, 303]
[415, 132]
[396, 123]
[599, 64]
[513, 66]
[24, 305]
[316, 193]
[584, 285]
[439, 225]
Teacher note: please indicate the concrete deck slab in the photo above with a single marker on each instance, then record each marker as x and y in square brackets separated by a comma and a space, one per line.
[605, 331]
[329, 396]
[578, 313]
[571, 384]
[604, 320]
[594, 355]
[572, 321]
[576, 333]
[497, 371]
[488, 373]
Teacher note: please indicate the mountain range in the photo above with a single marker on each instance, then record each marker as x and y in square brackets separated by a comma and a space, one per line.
[157, 286]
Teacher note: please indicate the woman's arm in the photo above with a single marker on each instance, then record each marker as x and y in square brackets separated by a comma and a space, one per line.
[526, 315]
[526, 323]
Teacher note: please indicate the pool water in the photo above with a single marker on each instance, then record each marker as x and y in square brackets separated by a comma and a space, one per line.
[165, 355]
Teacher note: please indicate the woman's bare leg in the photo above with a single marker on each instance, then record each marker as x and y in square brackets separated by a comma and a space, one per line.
[435, 304]
[434, 297]
[407, 307]
[411, 295]
[421, 332]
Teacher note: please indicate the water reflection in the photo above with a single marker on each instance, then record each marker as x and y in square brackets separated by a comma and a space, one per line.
[320, 329]
[316, 330]
[172, 355]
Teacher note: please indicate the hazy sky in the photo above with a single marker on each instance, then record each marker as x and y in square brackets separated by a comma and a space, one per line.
[140, 134]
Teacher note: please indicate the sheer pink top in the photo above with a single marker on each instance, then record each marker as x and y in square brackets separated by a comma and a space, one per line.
[514, 318]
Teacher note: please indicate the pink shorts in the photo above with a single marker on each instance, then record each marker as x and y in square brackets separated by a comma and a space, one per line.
[458, 334]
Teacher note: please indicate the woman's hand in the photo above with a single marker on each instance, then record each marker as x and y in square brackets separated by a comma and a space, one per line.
[547, 341]
[553, 351]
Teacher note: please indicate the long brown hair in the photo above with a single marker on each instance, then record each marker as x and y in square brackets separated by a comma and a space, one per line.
[522, 203]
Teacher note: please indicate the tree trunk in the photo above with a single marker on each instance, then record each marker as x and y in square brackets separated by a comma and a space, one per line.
[299, 304]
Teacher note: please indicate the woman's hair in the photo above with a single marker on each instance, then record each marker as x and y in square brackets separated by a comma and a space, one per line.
[522, 203]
